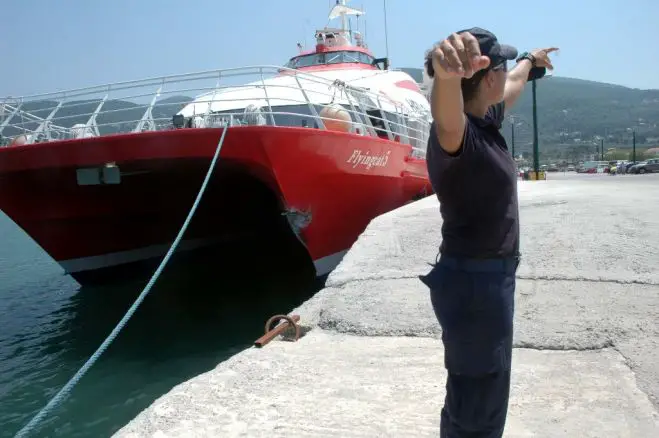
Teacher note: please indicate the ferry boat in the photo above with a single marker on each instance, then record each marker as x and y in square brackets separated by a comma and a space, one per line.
[102, 178]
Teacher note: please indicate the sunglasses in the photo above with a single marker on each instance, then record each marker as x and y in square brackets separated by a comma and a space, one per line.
[503, 66]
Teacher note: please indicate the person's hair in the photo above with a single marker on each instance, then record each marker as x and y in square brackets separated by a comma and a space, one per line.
[470, 86]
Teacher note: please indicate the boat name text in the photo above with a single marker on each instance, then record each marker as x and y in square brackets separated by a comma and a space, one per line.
[360, 158]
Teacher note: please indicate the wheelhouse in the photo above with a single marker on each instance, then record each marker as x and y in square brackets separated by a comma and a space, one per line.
[333, 57]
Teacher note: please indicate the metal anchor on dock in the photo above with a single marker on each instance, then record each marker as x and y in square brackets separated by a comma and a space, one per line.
[271, 333]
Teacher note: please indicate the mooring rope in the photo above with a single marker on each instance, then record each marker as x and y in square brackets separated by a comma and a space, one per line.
[66, 389]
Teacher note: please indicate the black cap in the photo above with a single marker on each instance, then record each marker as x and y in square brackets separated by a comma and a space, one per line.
[489, 45]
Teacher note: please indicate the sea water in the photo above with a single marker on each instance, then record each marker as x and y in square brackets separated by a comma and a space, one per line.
[197, 315]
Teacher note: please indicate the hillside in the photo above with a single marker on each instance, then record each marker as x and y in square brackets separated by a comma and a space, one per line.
[117, 115]
[574, 114]
[571, 109]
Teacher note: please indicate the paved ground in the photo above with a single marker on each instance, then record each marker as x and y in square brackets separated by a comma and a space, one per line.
[372, 364]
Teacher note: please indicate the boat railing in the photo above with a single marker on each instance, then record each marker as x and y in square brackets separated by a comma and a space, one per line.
[273, 95]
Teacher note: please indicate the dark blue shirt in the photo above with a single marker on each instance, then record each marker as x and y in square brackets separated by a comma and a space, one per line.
[477, 190]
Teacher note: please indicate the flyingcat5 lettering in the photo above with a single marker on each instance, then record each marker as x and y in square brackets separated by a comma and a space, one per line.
[358, 158]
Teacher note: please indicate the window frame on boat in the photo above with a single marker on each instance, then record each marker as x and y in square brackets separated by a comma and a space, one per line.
[330, 58]
[299, 115]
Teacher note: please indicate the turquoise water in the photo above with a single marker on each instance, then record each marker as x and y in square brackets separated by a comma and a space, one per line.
[199, 313]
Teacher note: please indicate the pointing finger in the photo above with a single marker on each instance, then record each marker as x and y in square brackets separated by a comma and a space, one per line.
[544, 61]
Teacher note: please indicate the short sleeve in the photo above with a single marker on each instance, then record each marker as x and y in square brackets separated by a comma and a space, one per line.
[468, 143]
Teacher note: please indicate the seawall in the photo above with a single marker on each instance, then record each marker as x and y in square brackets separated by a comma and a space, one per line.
[586, 332]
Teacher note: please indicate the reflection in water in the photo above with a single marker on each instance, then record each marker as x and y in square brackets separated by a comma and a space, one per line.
[201, 311]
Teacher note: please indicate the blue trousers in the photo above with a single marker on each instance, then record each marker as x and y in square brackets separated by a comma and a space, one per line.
[474, 303]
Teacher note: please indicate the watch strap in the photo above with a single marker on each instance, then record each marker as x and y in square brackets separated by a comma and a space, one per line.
[526, 55]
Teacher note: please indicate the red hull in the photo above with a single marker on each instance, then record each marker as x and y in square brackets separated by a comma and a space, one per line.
[341, 180]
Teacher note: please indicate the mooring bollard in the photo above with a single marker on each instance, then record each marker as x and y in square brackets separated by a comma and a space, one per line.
[271, 333]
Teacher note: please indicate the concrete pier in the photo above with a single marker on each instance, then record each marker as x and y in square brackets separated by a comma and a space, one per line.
[586, 361]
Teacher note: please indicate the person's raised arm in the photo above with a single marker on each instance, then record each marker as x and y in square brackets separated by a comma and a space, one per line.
[518, 76]
[456, 57]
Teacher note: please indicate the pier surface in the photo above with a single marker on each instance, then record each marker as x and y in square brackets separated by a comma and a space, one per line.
[586, 358]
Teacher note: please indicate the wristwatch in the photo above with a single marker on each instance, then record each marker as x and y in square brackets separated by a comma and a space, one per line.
[526, 55]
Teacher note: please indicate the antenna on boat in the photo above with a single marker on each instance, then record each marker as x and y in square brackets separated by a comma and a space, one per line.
[386, 39]
[340, 10]
[350, 30]
[365, 28]
[344, 19]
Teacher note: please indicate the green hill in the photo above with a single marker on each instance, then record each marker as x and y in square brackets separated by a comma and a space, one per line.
[574, 115]
[574, 111]
[116, 115]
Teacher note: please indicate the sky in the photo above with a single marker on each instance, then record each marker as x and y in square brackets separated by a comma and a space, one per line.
[54, 45]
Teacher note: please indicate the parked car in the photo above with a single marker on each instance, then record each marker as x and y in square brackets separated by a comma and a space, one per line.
[647, 166]
[594, 167]
[618, 167]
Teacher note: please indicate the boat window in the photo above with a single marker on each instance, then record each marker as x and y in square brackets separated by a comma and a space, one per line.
[395, 123]
[295, 115]
[378, 123]
[284, 115]
[365, 59]
[328, 58]
[300, 116]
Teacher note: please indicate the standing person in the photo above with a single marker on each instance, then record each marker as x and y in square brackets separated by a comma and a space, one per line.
[472, 285]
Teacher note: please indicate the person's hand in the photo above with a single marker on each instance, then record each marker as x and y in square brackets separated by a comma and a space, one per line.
[458, 56]
[542, 57]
